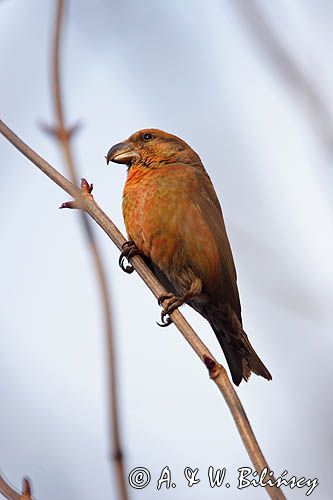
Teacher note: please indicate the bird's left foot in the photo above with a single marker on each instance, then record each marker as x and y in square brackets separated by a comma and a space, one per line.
[129, 249]
[170, 303]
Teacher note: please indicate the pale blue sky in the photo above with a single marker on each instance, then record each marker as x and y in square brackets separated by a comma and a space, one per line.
[193, 69]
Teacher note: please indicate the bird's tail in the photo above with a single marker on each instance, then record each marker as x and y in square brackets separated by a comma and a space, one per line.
[240, 355]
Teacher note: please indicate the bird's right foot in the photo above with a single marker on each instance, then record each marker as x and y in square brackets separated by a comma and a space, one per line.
[170, 303]
[129, 249]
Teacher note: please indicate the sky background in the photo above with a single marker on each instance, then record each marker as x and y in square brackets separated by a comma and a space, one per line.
[200, 71]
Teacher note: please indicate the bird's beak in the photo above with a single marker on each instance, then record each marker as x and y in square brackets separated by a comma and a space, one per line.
[123, 152]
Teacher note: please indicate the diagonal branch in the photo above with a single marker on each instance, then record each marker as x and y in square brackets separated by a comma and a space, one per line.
[64, 135]
[8, 491]
[216, 371]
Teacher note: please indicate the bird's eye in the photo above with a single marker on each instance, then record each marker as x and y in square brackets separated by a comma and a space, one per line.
[147, 137]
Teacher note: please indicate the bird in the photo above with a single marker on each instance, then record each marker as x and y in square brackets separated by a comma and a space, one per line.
[174, 220]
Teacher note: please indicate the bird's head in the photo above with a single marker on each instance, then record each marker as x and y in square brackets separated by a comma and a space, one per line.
[152, 148]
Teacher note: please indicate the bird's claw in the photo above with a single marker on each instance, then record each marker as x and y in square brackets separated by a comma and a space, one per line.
[129, 249]
[172, 302]
[165, 320]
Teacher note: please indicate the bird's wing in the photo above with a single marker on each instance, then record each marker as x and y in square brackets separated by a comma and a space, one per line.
[209, 206]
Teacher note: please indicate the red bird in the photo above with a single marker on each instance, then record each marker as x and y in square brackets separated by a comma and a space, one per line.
[173, 216]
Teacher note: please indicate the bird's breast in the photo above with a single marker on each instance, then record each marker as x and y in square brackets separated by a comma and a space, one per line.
[149, 212]
[162, 219]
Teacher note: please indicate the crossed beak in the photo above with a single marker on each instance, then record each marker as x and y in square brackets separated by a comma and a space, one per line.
[123, 152]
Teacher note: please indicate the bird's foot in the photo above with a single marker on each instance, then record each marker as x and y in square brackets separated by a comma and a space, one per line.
[86, 190]
[129, 249]
[170, 303]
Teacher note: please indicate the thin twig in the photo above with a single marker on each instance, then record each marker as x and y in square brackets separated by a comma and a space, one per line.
[288, 68]
[217, 372]
[64, 135]
[8, 491]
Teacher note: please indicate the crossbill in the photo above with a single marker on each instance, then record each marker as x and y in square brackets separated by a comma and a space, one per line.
[174, 219]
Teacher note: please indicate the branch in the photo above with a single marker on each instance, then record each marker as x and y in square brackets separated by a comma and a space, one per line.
[216, 371]
[63, 134]
[8, 492]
